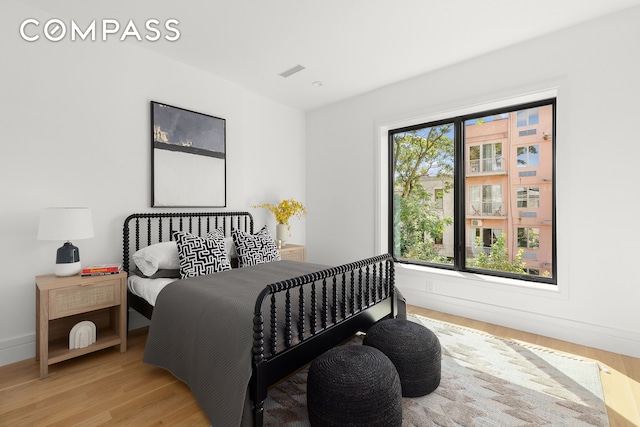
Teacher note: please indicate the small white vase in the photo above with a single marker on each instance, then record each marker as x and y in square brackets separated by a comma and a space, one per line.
[282, 233]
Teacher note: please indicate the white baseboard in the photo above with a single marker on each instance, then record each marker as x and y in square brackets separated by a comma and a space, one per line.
[592, 335]
[618, 341]
[16, 349]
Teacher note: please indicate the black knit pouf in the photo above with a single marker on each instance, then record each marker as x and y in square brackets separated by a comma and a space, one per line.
[414, 350]
[354, 385]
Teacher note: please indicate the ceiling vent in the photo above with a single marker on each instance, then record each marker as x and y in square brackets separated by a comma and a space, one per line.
[291, 71]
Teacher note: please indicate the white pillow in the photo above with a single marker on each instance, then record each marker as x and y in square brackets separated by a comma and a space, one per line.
[230, 247]
[162, 255]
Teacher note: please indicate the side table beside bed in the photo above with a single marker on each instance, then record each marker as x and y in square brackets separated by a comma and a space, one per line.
[62, 302]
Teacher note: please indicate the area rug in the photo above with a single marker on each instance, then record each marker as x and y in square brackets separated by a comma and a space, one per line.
[486, 381]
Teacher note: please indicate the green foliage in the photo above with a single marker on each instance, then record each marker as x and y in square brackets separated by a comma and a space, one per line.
[416, 221]
[498, 257]
[427, 152]
[424, 152]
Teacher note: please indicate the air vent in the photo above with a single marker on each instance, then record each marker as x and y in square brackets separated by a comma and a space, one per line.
[291, 71]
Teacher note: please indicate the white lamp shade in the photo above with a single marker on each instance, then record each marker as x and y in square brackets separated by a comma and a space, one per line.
[65, 224]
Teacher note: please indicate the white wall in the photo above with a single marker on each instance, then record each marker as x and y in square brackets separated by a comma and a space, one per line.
[594, 68]
[75, 125]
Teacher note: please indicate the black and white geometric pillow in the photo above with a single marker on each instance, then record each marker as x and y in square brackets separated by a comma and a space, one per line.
[255, 249]
[199, 255]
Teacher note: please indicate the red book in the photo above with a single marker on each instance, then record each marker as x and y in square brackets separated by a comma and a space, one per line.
[92, 270]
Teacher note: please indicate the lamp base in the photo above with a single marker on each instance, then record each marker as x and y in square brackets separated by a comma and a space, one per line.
[67, 269]
[67, 260]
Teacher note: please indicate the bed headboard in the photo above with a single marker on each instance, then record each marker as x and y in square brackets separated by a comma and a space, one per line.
[144, 229]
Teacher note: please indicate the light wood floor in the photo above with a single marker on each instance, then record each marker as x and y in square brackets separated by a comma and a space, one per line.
[110, 388]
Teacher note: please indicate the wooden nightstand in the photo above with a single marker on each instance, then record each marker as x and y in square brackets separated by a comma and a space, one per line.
[62, 302]
[293, 252]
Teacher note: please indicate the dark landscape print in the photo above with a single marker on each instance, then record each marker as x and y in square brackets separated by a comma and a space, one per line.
[176, 129]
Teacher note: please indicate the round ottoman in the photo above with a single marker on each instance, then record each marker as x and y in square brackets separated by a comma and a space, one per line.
[354, 385]
[414, 350]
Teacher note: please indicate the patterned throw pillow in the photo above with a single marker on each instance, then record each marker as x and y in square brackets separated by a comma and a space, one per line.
[199, 255]
[255, 249]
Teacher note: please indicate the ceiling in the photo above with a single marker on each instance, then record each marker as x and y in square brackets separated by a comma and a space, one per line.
[351, 46]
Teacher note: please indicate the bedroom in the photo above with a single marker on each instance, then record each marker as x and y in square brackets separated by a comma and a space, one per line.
[77, 126]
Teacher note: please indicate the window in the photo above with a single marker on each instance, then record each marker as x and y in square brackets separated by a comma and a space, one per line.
[438, 195]
[485, 199]
[529, 237]
[486, 214]
[528, 117]
[487, 236]
[485, 157]
[528, 156]
[528, 197]
[419, 154]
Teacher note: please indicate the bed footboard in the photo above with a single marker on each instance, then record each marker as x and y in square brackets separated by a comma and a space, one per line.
[331, 305]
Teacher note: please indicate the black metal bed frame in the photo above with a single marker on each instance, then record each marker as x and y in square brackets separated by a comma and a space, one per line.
[341, 301]
[156, 227]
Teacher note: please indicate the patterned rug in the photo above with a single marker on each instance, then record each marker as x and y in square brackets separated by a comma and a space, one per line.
[486, 381]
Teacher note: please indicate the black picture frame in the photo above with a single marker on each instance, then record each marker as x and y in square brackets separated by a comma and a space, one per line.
[188, 158]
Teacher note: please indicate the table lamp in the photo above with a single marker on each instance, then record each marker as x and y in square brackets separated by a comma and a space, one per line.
[66, 224]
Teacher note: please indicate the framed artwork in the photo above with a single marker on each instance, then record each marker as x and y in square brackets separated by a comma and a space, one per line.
[188, 158]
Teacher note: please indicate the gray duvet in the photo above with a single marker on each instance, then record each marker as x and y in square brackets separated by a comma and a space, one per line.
[202, 332]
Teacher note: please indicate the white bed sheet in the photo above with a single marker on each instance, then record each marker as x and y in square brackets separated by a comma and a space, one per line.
[147, 288]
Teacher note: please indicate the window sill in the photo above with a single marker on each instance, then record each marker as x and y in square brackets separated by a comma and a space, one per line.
[475, 279]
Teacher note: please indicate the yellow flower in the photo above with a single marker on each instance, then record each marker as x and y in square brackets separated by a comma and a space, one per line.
[285, 210]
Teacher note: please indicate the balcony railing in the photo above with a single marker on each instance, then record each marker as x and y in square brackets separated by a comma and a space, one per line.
[489, 209]
[485, 166]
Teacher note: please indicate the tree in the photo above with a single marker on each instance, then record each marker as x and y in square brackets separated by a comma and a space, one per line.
[423, 152]
[416, 224]
[498, 257]
[418, 153]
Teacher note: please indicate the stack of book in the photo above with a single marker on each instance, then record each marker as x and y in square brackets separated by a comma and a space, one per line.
[101, 270]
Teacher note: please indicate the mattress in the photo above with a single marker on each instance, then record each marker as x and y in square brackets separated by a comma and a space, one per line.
[148, 289]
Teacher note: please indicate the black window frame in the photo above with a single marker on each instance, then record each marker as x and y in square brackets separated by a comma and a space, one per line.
[459, 224]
